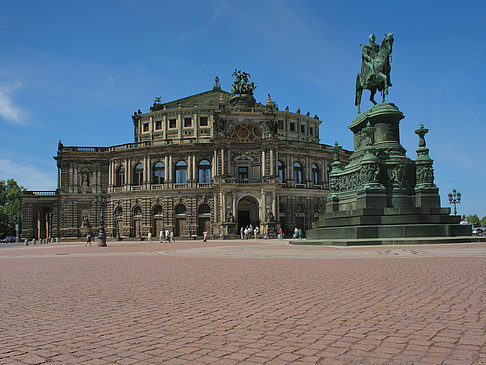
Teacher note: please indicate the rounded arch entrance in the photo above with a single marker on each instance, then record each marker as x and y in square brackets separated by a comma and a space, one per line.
[248, 212]
[43, 223]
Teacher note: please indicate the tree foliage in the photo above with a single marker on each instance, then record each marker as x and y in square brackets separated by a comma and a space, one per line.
[10, 206]
[474, 219]
[483, 221]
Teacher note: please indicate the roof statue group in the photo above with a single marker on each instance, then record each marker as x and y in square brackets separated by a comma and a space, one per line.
[241, 85]
[375, 68]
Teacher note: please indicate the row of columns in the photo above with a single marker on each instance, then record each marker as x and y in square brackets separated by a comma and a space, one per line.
[220, 164]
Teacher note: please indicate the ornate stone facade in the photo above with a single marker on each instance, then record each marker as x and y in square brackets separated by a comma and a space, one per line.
[212, 161]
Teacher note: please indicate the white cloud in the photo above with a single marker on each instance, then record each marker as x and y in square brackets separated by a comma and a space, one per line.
[8, 110]
[28, 176]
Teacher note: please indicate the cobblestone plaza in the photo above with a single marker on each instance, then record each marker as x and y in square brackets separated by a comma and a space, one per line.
[229, 302]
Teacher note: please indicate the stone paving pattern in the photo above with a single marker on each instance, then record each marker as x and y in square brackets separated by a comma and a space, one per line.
[185, 303]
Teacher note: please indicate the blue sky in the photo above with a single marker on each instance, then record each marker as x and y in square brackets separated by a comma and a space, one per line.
[77, 70]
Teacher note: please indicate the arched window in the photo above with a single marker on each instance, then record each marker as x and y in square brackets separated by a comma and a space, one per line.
[118, 213]
[180, 209]
[137, 213]
[281, 171]
[158, 212]
[299, 209]
[181, 172]
[158, 174]
[298, 173]
[138, 174]
[120, 176]
[204, 208]
[281, 209]
[204, 171]
[315, 174]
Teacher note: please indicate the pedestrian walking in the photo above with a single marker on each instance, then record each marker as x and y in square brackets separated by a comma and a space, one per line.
[172, 236]
[205, 236]
[149, 237]
[241, 232]
[88, 239]
[161, 235]
[167, 236]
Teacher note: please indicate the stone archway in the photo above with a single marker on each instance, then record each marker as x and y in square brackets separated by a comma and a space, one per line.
[248, 210]
[43, 223]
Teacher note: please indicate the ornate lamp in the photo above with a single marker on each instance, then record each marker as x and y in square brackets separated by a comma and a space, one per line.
[454, 198]
[101, 199]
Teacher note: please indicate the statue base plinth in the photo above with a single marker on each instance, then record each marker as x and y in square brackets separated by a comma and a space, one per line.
[382, 195]
[246, 100]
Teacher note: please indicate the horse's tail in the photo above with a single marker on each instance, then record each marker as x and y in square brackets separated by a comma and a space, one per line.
[358, 86]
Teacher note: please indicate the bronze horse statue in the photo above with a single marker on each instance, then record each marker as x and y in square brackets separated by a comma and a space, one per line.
[380, 74]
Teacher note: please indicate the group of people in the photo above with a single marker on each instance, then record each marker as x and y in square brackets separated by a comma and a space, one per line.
[297, 233]
[250, 232]
[164, 235]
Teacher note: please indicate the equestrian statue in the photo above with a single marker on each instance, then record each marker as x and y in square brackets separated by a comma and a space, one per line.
[375, 69]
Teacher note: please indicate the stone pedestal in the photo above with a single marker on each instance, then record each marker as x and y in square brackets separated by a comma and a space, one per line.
[382, 194]
[229, 230]
[270, 227]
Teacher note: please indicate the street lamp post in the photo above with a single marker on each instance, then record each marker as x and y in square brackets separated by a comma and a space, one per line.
[101, 199]
[455, 198]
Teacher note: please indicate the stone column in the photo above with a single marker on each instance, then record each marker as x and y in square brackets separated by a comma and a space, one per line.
[261, 214]
[272, 162]
[228, 168]
[194, 168]
[223, 208]
[144, 180]
[110, 174]
[170, 168]
[322, 172]
[214, 167]
[289, 167]
[149, 172]
[222, 161]
[234, 205]
[166, 169]
[274, 204]
[58, 177]
[128, 173]
[75, 178]
[98, 178]
[189, 169]
[308, 168]
[264, 163]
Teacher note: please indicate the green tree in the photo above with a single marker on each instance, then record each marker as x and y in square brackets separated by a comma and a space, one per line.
[474, 219]
[483, 221]
[10, 206]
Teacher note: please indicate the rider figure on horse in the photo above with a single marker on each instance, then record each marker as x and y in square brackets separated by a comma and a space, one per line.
[368, 55]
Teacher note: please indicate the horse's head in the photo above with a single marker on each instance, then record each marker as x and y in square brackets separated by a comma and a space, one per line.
[387, 42]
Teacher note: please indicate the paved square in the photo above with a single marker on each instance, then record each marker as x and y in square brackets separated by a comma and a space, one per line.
[245, 302]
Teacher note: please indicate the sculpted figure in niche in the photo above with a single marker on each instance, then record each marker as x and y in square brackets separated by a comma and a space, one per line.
[84, 178]
[270, 217]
